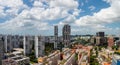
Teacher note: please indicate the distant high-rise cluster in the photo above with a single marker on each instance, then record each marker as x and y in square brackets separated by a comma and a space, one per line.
[66, 35]
[66, 31]
[27, 44]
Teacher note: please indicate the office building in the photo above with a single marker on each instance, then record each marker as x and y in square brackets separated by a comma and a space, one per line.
[66, 35]
[56, 36]
[39, 46]
[28, 44]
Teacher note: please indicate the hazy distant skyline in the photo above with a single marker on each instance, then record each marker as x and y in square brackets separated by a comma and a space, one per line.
[40, 16]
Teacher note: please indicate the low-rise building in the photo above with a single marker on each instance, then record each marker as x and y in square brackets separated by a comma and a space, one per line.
[16, 58]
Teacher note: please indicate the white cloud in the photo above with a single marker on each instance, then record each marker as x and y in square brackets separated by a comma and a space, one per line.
[37, 18]
[91, 7]
[66, 3]
[2, 14]
[106, 15]
[12, 7]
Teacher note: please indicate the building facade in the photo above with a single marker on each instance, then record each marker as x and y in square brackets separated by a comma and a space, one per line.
[66, 35]
[39, 46]
[8, 45]
[1, 49]
[15, 41]
[56, 36]
[110, 41]
[101, 39]
[28, 44]
[100, 34]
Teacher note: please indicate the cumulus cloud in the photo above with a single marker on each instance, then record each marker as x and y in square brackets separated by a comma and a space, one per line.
[36, 19]
[104, 16]
[11, 7]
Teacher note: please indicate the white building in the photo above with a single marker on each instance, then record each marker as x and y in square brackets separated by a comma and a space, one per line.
[8, 43]
[39, 46]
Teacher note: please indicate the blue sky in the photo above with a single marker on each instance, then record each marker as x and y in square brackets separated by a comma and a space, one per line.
[38, 17]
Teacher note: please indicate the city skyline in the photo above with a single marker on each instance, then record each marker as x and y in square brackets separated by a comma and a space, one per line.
[38, 17]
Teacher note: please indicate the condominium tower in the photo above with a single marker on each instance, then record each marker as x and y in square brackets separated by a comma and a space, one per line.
[66, 35]
[56, 36]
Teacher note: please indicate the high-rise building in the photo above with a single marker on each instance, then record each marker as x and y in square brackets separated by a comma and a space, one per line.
[8, 43]
[39, 46]
[21, 41]
[15, 41]
[28, 44]
[100, 34]
[66, 35]
[56, 36]
[100, 39]
[1, 49]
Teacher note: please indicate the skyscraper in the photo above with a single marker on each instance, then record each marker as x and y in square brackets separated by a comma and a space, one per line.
[56, 36]
[66, 35]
